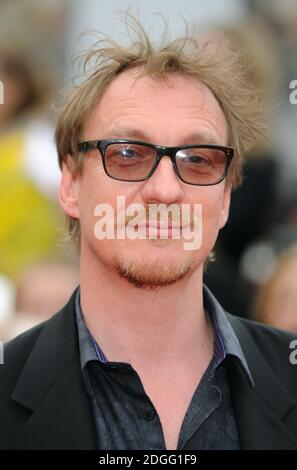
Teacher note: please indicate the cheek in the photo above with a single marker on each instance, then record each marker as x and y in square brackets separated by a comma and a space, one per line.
[97, 189]
[212, 217]
[90, 196]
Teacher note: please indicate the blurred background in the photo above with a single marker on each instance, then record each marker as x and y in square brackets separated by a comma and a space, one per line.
[254, 273]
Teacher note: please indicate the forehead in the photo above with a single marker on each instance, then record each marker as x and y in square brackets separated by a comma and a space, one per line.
[156, 105]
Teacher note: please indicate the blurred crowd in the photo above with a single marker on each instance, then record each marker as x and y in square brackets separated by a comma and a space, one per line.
[254, 270]
[37, 273]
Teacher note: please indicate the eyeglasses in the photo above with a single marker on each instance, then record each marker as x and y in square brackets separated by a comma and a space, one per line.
[131, 160]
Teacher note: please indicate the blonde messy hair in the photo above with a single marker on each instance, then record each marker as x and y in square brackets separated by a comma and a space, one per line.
[210, 60]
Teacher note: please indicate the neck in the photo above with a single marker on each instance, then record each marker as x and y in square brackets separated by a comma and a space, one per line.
[137, 326]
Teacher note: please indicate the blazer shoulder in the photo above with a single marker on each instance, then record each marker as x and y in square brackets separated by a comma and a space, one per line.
[17, 350]
[274, 344]
[33, 362]
[263, 334]
[15, 354]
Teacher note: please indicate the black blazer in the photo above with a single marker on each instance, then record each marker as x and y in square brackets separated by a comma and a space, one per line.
[44, 405]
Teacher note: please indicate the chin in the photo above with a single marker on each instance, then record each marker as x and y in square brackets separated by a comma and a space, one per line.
[148, 275]
[154, 267]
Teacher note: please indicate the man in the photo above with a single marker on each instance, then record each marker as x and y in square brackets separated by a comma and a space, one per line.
[143, 356]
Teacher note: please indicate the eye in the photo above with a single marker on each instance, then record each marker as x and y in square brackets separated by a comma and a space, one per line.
[198, 159]
[128, 153]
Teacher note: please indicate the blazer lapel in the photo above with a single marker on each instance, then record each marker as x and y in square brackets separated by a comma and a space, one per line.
[51, 386]
[261, 411]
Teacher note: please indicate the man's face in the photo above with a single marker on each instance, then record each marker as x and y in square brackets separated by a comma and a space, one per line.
[168, 114]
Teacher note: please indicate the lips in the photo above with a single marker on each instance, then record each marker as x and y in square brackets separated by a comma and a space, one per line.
[159, 230]
[158, 225]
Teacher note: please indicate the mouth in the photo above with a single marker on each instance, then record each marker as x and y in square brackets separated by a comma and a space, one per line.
[158, 228]
[158, 225]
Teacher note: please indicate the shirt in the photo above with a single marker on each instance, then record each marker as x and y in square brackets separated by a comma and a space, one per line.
[125, 417]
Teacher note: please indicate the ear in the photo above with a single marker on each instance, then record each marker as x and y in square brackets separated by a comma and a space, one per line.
[69, 191]
[226, 206]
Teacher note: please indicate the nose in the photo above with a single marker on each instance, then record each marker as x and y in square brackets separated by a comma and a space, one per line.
[164, 186]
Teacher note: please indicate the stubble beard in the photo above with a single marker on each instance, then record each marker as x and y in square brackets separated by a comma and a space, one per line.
[152, 275]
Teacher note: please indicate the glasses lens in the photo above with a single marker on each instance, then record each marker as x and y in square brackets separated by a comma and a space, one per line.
[129, 162]
[201, 165]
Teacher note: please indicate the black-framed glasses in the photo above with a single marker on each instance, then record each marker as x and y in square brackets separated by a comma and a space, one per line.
[132, 160]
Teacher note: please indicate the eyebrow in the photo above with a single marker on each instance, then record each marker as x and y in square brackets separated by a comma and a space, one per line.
[127, 133]
[202, 138]
[134, 133]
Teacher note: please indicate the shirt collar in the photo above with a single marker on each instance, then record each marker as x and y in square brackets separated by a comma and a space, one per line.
[225, 336]
[89, 349]
[225, 339]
